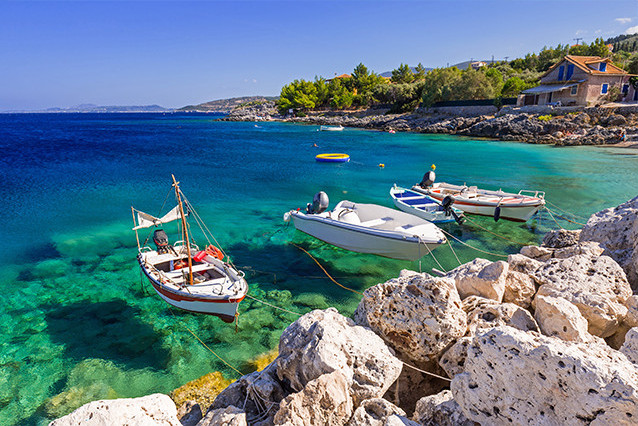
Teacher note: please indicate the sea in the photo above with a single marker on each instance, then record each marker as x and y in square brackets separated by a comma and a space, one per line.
[77, 322]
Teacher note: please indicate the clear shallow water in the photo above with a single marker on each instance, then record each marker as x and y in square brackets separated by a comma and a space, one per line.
[77, 324]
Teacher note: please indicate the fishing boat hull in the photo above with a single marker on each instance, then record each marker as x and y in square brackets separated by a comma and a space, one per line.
[514, 207]
[331, 128]
[420, 205]
[403, 245]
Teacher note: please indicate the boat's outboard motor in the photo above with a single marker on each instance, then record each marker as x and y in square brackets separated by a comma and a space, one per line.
[319, 203]
[161, 241]
[428, 178]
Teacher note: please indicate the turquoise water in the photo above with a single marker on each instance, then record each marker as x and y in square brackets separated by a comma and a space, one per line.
[78, 324]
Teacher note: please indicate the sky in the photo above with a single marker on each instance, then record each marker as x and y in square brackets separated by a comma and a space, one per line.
[176, 53]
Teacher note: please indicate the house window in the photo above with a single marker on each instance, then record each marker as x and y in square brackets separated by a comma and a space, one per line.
[602, 67]
[570, 71]
[561, 71]
[604, 88]
[625, 89]
[574, 90]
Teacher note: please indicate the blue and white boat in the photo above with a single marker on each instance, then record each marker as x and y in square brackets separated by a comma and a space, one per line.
[422, 206]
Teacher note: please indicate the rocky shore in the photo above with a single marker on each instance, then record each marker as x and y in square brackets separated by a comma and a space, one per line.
[561, 126]
[549, 336]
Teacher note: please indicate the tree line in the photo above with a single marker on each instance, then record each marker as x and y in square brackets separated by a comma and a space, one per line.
[407, 89]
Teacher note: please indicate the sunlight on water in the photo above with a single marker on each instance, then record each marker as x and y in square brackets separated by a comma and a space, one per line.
[78, 323]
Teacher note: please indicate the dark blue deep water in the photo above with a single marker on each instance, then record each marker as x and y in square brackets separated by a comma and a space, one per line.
[76, 322]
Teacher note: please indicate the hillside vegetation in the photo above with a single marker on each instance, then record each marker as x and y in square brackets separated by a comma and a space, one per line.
[227, 105]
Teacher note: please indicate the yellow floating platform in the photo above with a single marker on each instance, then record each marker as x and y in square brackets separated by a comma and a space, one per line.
[333, 158]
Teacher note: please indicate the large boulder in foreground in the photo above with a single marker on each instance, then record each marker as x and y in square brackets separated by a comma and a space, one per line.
[488, 313]
[155, 409]
[416, 314]
[597, 286]
[616, 229]
[513, 377]
[480, 277]
[321, 342]
[557, 317]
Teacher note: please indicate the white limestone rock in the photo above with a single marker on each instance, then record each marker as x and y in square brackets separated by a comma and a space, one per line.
[597, 286]
[587, 248]
[557, 317]
[480, 277]
[374, 412]
[631, 319]
[541, 254]
[561, 238]
[513, 377]
[321, 342]
[189, 413]
[150, 410]
[488, 313]
[416, 315]
[453, 360]
[519, 289]
[229, 416]
[440, 410]
[630, 347]
[524, 264]
[616, 229]
[325, 400]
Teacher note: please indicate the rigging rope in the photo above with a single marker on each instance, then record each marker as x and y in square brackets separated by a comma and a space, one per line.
[324, 270]
[206, 346]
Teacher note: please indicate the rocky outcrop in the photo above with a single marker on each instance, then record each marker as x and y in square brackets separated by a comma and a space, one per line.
[557, 317]
[520, 288]
[417, 315]
[440, 410]
[325, 400]
[630, 346]
[480, 278]
[487, 313]
[375, 412]
[616, 229]
[321, 342]
[453, 360]
[155, 409]
[597, 287]
[513, 377]
[560, 238]
[229, 416]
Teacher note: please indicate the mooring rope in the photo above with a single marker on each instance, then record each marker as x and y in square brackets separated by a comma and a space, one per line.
[571, 214]
[205, 345]
[564, 218]
[453, 252]
[431, 254]
[426, 372]
[555, 221]
[272, 306]
[472, 247]
[494, 233]
[324, 270]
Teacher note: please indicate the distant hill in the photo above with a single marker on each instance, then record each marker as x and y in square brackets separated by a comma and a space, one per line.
[465, 64]
[625, 42]
[91, 108]
[413, 69]
[226, 105]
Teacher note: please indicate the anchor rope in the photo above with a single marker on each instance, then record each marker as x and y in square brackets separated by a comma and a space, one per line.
[205, 345]
[324, 270]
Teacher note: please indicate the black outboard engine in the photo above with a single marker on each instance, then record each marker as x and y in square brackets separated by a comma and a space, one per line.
[161, 241]
[428, 179]
[319, 203]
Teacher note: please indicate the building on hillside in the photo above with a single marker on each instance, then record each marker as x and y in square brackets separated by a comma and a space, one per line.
[339, 77]
[579, 81]
[477, 64]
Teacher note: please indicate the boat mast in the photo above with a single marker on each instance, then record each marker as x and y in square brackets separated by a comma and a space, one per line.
[185, 228]
[137, 237]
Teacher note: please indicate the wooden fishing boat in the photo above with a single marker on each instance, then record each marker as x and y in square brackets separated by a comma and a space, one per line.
[183, 275]
[423, 206]
[518, 207]
[368, 228]
[331, 128]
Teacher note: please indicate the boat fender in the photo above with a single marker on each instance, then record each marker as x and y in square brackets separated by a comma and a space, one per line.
[287, 217]
[497, 213]
[215, 252]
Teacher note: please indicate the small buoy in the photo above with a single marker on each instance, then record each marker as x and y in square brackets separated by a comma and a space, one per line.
[381, 165]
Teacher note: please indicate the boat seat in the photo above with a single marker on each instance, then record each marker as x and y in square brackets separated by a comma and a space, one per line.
[373, 222]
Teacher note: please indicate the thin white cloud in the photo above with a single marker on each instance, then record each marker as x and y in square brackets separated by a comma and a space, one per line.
[598, 31]
[632, 30]
[581, 32]
[623, 20]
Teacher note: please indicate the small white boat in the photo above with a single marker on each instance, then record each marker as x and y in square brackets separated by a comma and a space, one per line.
[518, 207]
[423, 206]
[368, 228]
[331, 128]
[183, 275]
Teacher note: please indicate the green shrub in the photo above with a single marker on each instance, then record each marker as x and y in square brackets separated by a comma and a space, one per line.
[544, 117]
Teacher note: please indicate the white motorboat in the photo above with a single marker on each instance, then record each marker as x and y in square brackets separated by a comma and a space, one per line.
[331, 128]
[183, 275]
[424, 206]
[518, 207]
[368, 228]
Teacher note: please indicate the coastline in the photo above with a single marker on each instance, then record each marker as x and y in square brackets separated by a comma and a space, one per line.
[561, 126]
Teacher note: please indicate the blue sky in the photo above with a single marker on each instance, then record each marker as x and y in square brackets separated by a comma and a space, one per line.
[178, 53]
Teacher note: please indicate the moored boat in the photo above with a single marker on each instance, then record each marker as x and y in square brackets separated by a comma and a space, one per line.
[331, 128]
[423, 206]
[368, 228]
[518, 207]
[183, 275]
